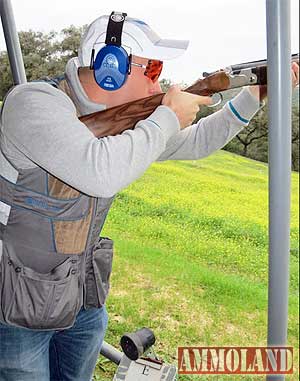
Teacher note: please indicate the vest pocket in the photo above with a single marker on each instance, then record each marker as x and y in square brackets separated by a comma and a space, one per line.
[102, 266]
[41, 301]
[70, 236]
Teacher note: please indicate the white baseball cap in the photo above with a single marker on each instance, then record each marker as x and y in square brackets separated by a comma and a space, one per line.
[137, 36]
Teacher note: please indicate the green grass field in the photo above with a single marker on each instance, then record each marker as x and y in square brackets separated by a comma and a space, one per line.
[191, 258]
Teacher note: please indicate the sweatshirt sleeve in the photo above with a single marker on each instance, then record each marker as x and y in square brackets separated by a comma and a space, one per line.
[41, 122]
[214, 131]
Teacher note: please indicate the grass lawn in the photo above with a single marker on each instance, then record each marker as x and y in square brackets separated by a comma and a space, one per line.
[191, 258]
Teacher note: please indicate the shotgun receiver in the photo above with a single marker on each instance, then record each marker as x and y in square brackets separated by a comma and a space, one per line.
[115, 120]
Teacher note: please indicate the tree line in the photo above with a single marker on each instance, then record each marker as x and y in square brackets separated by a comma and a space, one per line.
[46, 54]
[252, 141]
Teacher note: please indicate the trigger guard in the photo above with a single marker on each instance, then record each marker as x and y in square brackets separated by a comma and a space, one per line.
[219, 99]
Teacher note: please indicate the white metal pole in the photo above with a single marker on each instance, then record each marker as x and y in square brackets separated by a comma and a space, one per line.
[280, 105]
[12, 42]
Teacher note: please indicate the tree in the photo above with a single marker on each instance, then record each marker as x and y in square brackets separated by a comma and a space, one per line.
[165, 84]
[252, 141]
[43, 54]
[256, 130]
[71, 40]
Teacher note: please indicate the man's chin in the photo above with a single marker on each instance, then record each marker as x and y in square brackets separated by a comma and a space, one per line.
[154, 92]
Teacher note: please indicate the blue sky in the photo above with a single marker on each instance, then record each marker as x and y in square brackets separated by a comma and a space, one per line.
[221, 32]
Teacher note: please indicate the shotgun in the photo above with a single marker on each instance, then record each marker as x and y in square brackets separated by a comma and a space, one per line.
[117, 119]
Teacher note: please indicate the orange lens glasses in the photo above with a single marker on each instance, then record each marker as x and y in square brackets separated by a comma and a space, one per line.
[153, 69]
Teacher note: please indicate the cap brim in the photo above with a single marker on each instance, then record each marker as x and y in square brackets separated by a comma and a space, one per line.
[164, 49]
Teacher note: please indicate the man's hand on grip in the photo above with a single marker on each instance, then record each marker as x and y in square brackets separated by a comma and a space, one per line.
[185, 105]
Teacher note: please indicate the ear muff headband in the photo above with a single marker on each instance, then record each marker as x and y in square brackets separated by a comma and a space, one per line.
[115, 28]
[112, 64]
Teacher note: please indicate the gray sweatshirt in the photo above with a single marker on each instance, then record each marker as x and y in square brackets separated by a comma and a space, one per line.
[40, 127]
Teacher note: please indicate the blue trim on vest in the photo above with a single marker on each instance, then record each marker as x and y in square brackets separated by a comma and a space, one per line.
[41, 204]
[53, 235]
[42, 194]
[237, 114]
[50, 219]
[42, 215]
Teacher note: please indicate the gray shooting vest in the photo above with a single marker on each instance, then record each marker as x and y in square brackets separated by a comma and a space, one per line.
[53, 260]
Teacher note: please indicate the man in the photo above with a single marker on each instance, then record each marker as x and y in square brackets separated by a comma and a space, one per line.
[57, 183]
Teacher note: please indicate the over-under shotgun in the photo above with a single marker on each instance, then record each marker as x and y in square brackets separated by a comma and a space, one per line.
[115, 120]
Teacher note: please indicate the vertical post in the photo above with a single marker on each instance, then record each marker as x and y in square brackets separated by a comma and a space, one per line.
[12, 42]
[280, 97]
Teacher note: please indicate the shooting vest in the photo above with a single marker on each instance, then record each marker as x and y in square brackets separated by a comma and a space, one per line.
[53, 260]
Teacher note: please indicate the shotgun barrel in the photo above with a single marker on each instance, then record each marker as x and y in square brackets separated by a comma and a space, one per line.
[249, 65]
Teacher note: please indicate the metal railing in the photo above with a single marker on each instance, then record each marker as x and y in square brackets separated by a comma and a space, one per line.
[280, 142]
[12, 42]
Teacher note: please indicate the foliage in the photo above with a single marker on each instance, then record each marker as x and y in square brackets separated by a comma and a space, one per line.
[165, 84]
[252, 141]
[43, 54]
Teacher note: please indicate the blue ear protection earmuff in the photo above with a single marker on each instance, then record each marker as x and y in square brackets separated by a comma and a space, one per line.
[112, 64]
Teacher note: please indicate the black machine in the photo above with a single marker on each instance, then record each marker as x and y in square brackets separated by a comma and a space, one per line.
[138, 362]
